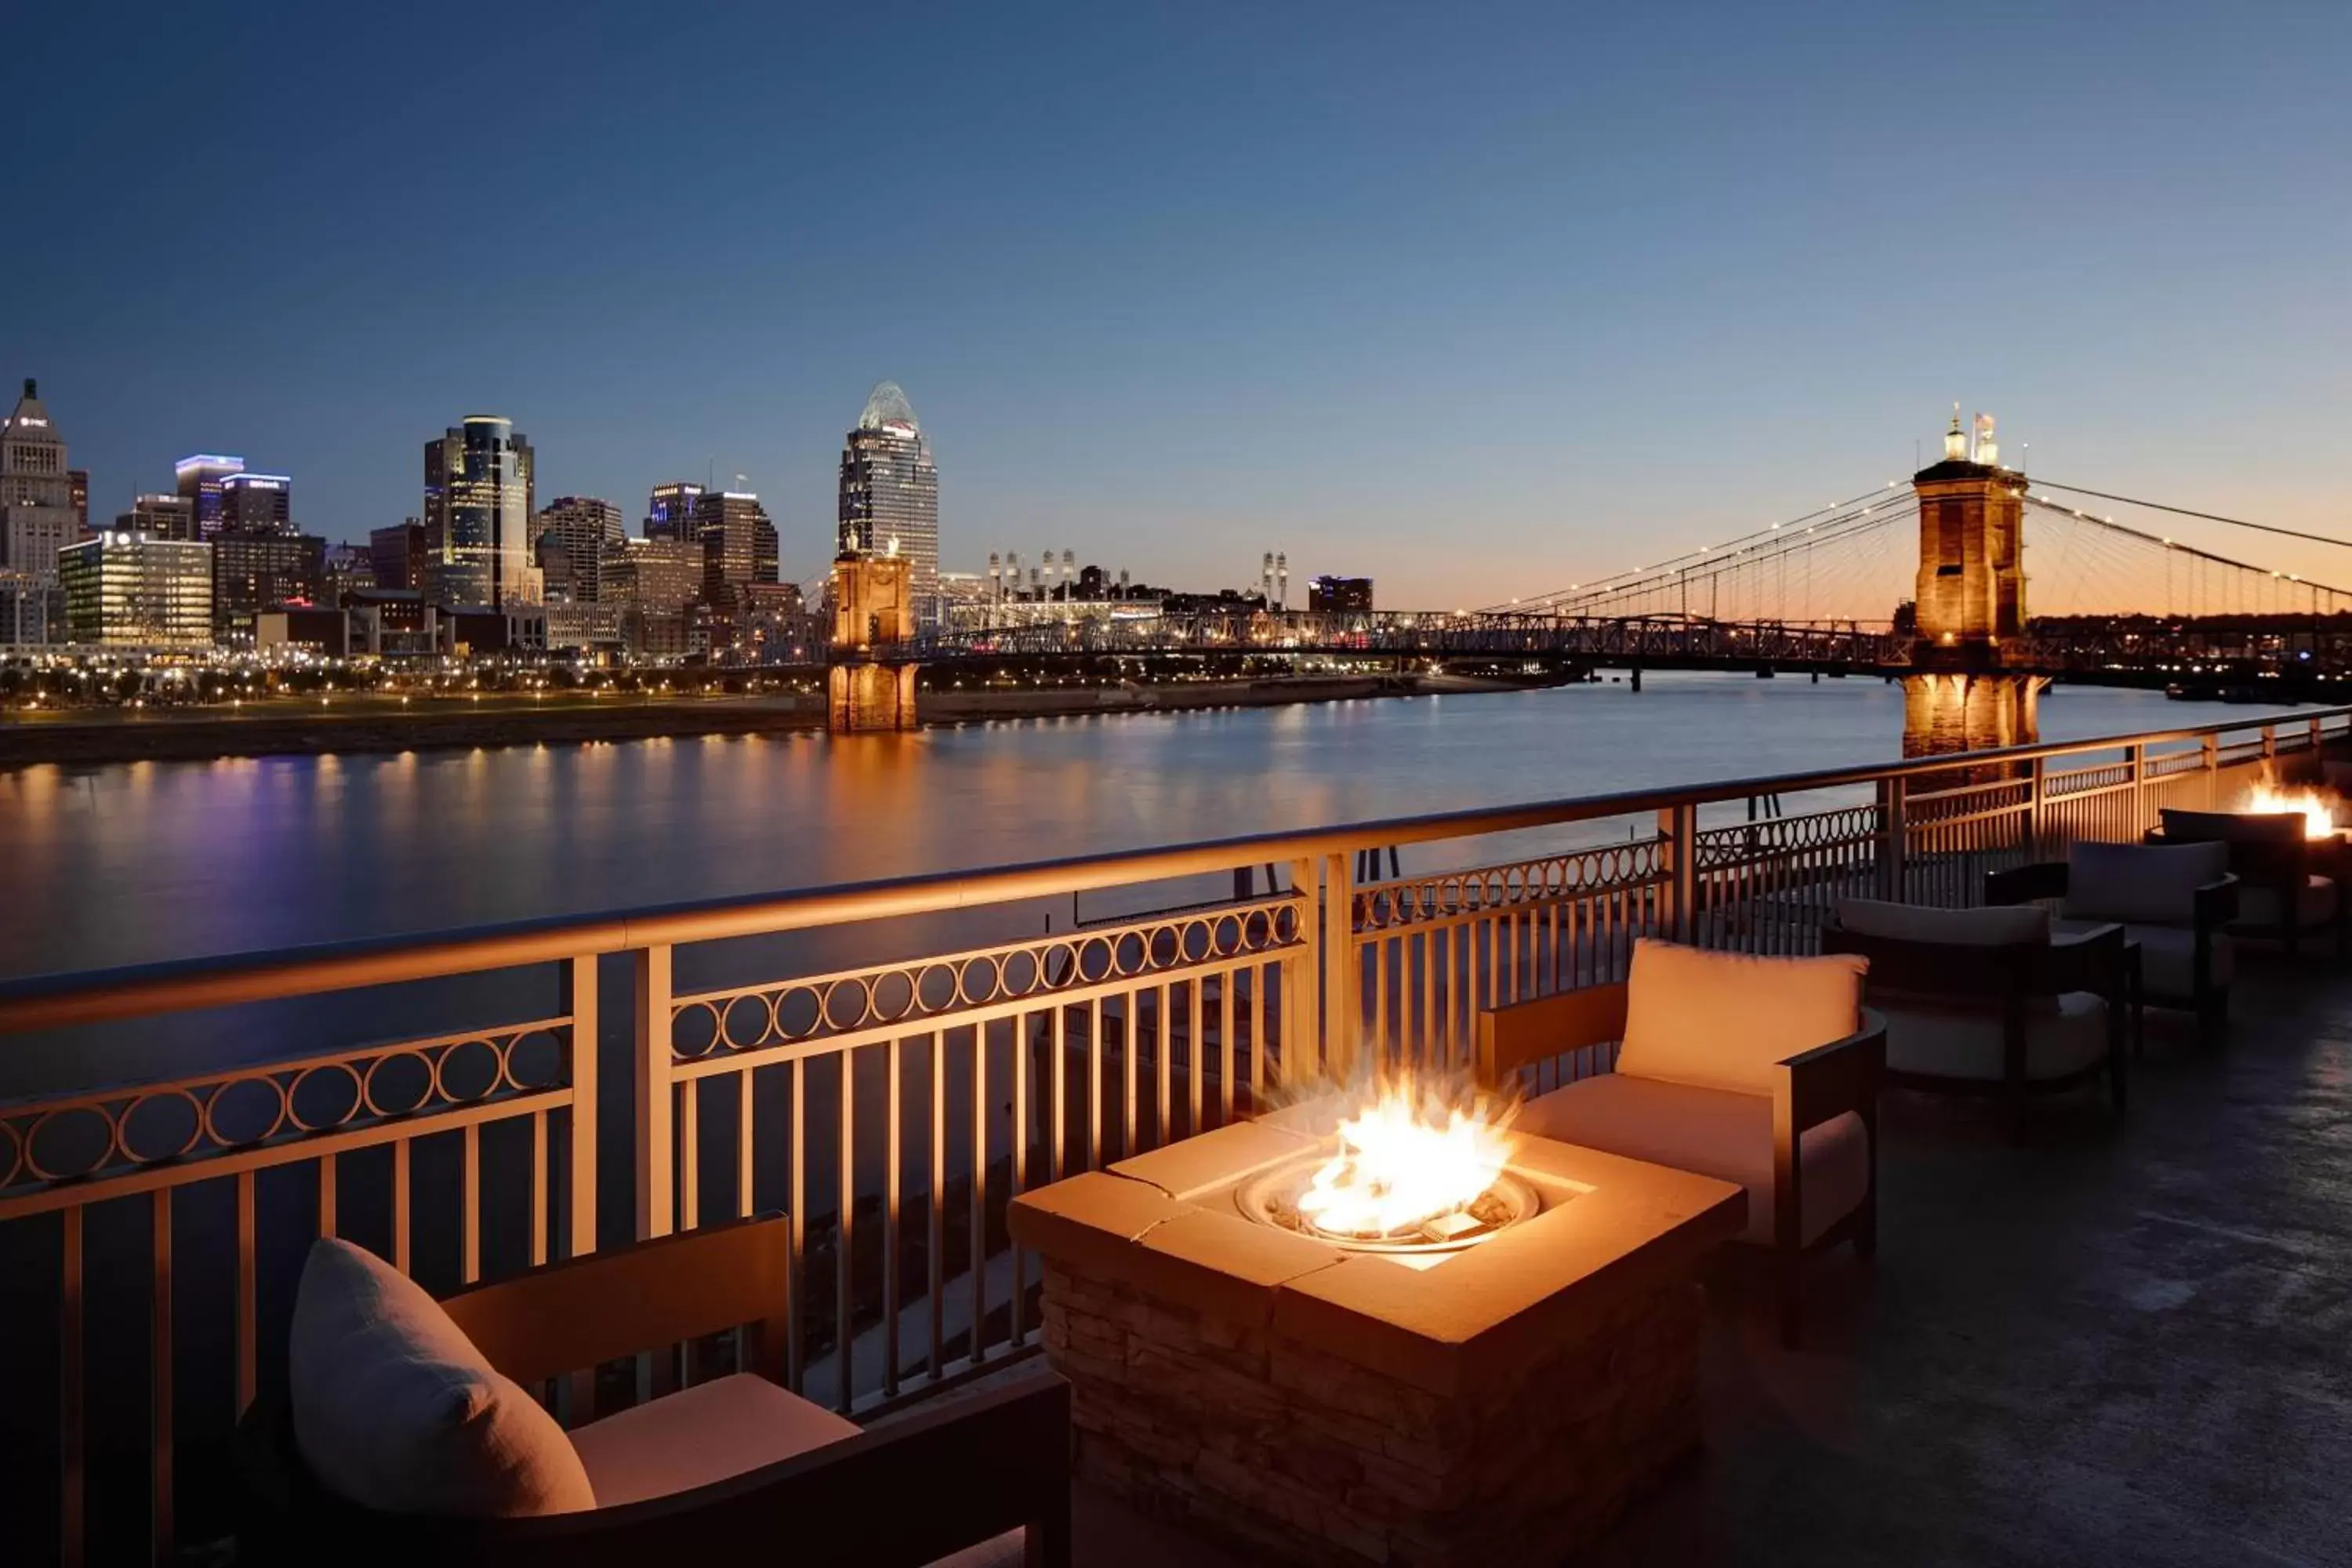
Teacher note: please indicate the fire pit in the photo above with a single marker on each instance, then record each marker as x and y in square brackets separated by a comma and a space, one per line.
[2269, 798]
[1386, 1332]
[1412, 1174]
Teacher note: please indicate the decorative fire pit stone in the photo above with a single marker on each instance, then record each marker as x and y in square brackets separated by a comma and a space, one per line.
[1494, 1403]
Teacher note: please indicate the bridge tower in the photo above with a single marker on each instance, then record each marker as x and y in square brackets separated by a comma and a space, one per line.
[867, 687]
[1968, 692]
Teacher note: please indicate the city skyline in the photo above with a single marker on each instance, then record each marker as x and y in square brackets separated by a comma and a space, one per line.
[1353, 284]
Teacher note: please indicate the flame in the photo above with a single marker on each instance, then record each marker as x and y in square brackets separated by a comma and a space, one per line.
[2316, 807]
[1410, 1157]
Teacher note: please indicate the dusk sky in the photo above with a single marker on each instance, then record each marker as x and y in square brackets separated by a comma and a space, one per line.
[1475, 300]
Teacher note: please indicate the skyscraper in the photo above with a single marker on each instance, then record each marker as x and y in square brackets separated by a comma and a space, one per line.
[78, 488]
[36, 520]
[670, 512]
[256, 503]
[478, 502]
[890, 494]
[738, 550]
[575, 534]
[200, 476]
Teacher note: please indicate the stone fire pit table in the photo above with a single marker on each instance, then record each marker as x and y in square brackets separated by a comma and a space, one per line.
[1271, 1390]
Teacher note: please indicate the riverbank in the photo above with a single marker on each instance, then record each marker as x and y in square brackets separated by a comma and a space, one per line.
[354, 725]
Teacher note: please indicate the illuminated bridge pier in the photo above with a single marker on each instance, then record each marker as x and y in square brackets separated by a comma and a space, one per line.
[870, 681]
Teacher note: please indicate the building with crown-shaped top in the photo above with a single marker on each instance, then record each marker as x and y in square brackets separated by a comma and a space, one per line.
[36, 520]
[891, 495]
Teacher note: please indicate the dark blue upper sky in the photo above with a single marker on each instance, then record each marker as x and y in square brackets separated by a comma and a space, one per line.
[1475, 298]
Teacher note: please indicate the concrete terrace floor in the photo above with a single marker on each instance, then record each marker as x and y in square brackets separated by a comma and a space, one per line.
[2124, 1343]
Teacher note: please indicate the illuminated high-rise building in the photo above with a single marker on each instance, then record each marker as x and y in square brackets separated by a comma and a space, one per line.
[478, 516]
[670, 510]
[256, 503]
[36, 520]
[739, 552]
[576, 534]
[78, 488]
[130, 590]
[200, 477]
[890, 494]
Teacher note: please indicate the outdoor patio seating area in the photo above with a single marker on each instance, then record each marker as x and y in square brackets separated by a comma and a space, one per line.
[2122, 1342]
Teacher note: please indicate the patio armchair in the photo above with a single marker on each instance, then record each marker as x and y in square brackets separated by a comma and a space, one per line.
[2284, 892]
[2174, 902]
[405, 1434]
[1763, 1071]
[1984, 1002]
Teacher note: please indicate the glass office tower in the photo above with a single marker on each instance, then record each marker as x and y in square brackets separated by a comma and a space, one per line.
[478, 515]
[890, 494]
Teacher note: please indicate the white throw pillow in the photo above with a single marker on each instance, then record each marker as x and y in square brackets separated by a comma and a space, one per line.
[2154, 883]
[394, 1409]
[1725, 1020]
[1998, 926]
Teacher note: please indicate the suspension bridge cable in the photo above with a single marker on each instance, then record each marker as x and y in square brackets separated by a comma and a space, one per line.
[1777, 529]
[2188, 549]
[2204, 516]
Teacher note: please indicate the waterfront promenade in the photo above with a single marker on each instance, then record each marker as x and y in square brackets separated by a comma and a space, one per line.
[2120, 1346]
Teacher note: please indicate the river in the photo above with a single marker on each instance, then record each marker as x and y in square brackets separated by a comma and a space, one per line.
[159, 860]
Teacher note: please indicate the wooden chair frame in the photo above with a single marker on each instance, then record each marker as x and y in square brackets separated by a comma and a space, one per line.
[903, 1495]
[2213, 906]
[2007, 977]
[1808, 1088]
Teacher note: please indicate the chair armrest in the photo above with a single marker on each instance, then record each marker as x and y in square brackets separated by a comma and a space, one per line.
[2090, 960]
[1510, 1037]
[580, 1312]
[980, 1465]
[2023, 884]
[1832, 1079]
[2217, 904]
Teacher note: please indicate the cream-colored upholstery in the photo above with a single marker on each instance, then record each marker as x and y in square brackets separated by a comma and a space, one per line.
[721, 1428]
[1713, 1131]
[2140, 883]
[1968, 1042]
[1997, 926]
[1725, 1020]
[2168, 954]
[701, 1434]
[2258, 904]
[394, 1409]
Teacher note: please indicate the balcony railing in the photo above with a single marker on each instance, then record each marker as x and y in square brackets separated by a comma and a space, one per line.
[150, 1233]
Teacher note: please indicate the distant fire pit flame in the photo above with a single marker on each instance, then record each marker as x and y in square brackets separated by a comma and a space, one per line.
[2316, 807]
[1411, 1165]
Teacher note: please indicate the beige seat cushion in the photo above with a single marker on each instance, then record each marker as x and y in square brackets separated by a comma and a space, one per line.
[1995, 926]
[1725, 1020]
[1967, 1042]
[1713, 1132]
[394, 1409]
[2168, 956]
[721, 1428]
[699, 1435]
[2257, 905]
[2151, 882]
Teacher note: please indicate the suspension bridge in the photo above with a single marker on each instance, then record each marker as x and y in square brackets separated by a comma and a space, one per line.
[1942, 560]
